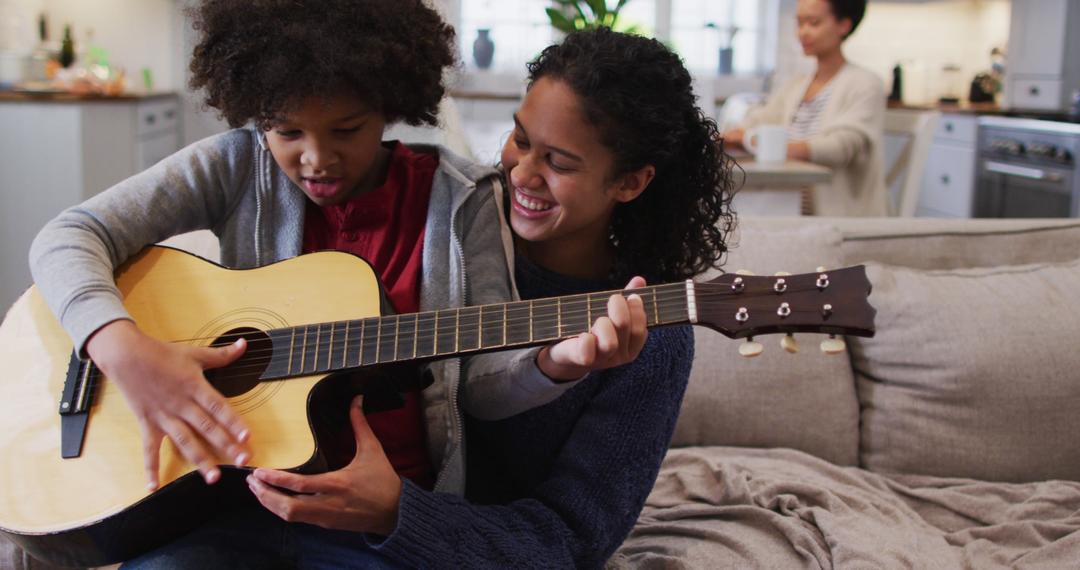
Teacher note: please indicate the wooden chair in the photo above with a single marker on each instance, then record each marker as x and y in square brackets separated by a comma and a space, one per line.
[908, 134]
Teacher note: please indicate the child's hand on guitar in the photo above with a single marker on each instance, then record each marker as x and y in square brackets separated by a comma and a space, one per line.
[614, 340]
[165, 387]
[363, 496]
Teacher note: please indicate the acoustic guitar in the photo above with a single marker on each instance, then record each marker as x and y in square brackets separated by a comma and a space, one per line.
[72, 488]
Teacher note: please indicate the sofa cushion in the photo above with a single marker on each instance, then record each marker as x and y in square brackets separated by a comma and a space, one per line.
[973, 373]
[955, 244]
[804, 401]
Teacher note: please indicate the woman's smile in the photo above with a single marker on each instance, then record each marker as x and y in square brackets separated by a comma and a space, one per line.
[531, 206]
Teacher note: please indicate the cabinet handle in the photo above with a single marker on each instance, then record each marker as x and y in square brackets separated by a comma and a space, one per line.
[945, 179]
[1033, 91]
[948, 127]
[170, 114]
[150, 119]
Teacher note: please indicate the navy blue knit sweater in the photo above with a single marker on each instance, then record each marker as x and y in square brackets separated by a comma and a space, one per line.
[559, 486]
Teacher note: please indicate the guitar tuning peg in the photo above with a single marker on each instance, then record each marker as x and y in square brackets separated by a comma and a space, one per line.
[788, 343]
[744, 272]
[833, 345]
[781, 274]
[750, 348]
[820, 269]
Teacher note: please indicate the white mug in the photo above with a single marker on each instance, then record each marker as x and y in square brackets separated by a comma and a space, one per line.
[768, 143]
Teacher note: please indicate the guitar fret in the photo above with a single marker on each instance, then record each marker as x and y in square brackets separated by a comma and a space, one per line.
[558, 316]
[405, 343]
[656, 308]
[330, 349]
[416, 334]
[345, 346]
[426, 334]
[469, 332]
[544, 323]
[445, 332]
[292, 348]
[318, 345]
[530, 320]
[397, 329]
[378, 341]
[360, 356]
[303, 350]
[369, 348]
[516, 323]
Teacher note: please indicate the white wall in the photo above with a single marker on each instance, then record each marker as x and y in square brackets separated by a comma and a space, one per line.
[136, 34]
[922, 36]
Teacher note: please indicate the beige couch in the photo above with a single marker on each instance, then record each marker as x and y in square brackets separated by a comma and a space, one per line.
[947, 441]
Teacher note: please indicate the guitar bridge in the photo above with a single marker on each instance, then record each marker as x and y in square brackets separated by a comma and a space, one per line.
[75, 406]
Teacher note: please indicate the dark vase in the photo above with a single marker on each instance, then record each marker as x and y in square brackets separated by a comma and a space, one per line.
[727, 56]
[483, 49]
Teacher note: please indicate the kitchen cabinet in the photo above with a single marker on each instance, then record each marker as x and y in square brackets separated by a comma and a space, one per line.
[949, 177]
[1042, 71]
[57, 153]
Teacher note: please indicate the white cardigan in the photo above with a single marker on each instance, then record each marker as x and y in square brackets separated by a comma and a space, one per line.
[849, 142]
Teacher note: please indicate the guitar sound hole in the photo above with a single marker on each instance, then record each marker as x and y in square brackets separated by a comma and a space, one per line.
[242, 375]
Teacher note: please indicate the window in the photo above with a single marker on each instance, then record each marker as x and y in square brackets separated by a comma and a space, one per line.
[701, 28]
[520, 29]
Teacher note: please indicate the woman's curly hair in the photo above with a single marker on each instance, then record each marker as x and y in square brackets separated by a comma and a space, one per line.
[639, 95]
[258, 59]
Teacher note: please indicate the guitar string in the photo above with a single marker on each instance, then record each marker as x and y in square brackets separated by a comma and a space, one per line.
[670, 292]
[709, 300]
[449, 329]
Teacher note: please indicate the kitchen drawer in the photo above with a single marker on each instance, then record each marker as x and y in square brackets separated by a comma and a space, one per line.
[1029, 93]
[957, 128]
[949, 180]
[156, 116]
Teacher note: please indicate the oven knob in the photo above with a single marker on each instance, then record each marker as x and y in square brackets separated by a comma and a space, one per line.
[1063, 155]
[1041, 150]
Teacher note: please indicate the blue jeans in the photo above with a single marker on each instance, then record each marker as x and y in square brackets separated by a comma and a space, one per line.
[255, 538]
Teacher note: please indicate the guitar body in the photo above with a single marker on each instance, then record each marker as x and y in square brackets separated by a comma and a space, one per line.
[95, 509]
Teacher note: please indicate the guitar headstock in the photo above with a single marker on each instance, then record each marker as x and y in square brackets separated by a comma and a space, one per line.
[832, 302]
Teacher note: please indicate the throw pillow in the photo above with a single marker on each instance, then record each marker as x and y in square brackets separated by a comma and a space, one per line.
[973, 373]
[804, 401]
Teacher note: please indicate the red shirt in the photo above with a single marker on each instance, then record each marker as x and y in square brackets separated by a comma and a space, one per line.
[386, 227]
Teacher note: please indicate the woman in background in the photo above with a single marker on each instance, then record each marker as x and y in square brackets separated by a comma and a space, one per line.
[835, 116]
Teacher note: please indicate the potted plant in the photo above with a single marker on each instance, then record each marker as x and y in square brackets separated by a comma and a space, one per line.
[727, 52]
[573, 15]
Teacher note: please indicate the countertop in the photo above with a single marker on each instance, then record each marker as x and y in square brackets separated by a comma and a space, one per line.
[959, 108]
[18, 96]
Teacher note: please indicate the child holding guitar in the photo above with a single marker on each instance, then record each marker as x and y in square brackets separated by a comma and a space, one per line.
[316, 87]
[612, 172]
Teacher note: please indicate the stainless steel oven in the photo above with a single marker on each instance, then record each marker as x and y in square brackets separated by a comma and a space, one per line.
[1027, 169]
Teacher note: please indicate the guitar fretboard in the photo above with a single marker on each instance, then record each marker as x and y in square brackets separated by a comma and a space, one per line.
[327, 347]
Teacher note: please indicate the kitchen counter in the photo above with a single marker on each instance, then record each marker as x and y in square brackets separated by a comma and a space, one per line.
[18, 96]
[776, 189]
[959, 108]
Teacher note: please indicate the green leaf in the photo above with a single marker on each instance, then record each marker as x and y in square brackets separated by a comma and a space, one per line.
[599, 8]
[559, 21]
[577, 6]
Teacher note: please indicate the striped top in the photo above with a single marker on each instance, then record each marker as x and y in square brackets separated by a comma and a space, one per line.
[807, 119]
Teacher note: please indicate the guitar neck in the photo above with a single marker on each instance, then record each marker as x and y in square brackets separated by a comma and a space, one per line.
[340, 345]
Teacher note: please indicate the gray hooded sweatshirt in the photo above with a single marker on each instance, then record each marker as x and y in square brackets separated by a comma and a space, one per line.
[231, 185]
